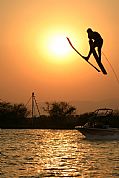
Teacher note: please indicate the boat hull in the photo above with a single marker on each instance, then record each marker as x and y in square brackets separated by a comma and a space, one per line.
[98, 133]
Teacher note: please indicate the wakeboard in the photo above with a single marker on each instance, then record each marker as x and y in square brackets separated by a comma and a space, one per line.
[99, 63]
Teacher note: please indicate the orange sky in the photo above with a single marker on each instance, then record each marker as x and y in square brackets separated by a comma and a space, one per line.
[27, 30]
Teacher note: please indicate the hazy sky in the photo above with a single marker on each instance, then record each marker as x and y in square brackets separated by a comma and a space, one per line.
[35, 55]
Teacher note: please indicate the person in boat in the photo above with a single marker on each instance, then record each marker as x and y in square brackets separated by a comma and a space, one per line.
[95, 40]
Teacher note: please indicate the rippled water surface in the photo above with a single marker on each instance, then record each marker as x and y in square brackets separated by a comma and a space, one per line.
[56, 153]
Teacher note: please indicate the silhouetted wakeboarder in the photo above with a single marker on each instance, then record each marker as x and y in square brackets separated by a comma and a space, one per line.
[95, 40]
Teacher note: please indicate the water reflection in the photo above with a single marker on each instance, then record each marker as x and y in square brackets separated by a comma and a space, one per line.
[56, 153]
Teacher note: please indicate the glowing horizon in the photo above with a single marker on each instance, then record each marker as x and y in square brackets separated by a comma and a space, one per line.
[36, 56]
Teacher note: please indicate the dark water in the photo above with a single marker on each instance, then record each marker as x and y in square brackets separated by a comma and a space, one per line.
[56, 153]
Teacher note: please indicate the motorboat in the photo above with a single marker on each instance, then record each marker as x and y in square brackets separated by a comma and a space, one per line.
[98, 126]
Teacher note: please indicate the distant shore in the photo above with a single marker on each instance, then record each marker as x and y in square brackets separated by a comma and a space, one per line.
[45, 122]
[42, 122]
[16, 116]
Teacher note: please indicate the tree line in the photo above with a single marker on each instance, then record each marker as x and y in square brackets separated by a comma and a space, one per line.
[58, 115]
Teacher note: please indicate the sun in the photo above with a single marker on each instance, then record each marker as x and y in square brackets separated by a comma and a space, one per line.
[58, 46]
[54, 47]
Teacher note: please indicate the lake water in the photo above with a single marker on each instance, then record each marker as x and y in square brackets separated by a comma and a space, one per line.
[56, 153]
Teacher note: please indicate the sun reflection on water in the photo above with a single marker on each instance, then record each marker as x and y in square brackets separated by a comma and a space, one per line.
[56, 153]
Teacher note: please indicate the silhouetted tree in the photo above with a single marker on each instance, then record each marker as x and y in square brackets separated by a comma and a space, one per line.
[13, 115]
[58, 110]
[13, 110]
